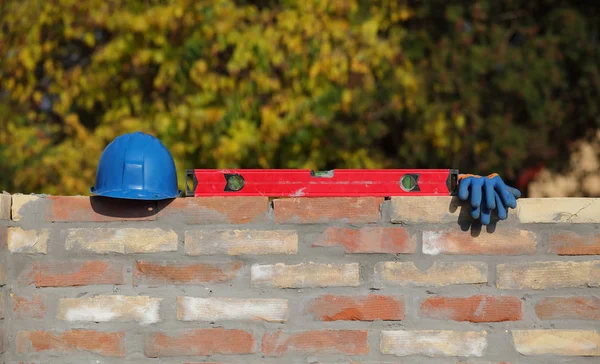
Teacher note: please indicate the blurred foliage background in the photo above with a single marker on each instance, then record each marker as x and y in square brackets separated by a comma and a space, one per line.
[506, 86]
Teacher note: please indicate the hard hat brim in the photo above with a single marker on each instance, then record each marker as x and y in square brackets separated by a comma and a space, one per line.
[135, 194]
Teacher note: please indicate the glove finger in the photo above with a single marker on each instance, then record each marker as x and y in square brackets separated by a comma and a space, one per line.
[475, 211]
[476, 193]
[501, 209]
[506, 197]
[512, 201]
[463, 191]
[486, 213]
[490, 199]
[513, 191]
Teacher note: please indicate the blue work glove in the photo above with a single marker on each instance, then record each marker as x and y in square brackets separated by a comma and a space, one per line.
[486, 194]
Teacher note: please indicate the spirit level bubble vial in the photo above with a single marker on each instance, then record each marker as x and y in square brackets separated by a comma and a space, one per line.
[309, 183]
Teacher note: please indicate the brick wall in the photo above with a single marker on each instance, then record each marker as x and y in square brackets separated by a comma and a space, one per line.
[307, 280]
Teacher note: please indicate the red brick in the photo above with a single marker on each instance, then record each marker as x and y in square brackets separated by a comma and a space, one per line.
[501, 242]
[570, 243]
[109, 344]
[177, 273]
[33, 307]
[394, 240]
[65, 274]
[199, 342]
[569, 308]
[478, 308]
[216, 210]
[360, 308]
[317, 210]
[341, 342]
[97, 209]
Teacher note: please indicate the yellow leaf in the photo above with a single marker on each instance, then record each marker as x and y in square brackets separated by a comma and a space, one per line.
[460, 122]
[405, 14]
[27, 58]
[139, 24]
[89, 39]
[37, 97]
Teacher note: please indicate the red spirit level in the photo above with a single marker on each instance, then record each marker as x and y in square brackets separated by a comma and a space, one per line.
[305, 182]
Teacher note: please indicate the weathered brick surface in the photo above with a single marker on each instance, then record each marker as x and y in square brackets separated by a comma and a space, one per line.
[215, 210]
[571, 243]
[317, 210]
[29, 307]
[433, 343]
[2, 275]
[439, 274]
[241, 242]
[177, 273]
[558, 342]
[305, 275]
[3, 238]
[424, 209]
[357, 308]
[569, 308]
[28, 241]
[106, 308]
[20, 203]
[396, 240]
[231, 309]
[479, 308]
[109, 344]
[349, 361]
[5, 206]
[549, 274]
[122, 240]
[346, 342]
[319, 280]
[97, 209]
[559, 210]
[501, 242]
[69, 273]
[199, 342]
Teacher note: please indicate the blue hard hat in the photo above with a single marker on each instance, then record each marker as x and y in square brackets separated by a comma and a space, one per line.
[136, 166]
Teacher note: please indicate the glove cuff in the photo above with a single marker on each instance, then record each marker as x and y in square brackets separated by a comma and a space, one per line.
[465, 175]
